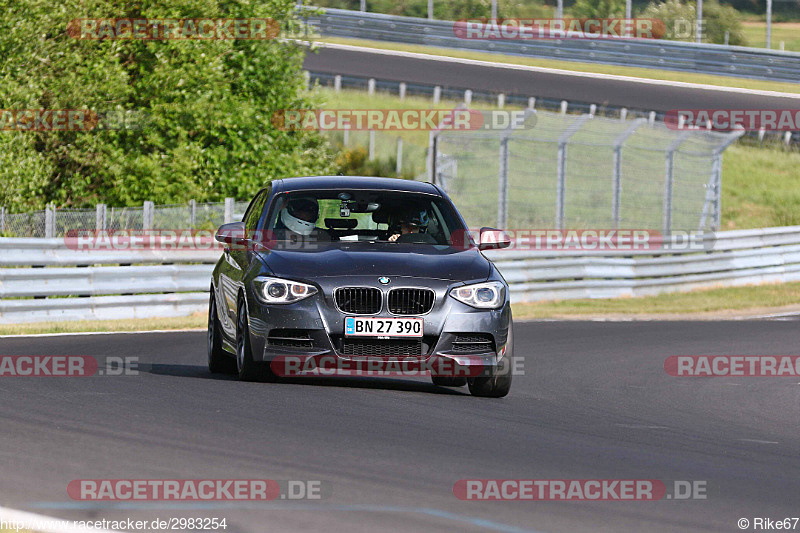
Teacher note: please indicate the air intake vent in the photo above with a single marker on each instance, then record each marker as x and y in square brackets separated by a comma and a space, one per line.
[378, 348]
[358, 300]
[295, 338]
[411, 301]
[473, 343]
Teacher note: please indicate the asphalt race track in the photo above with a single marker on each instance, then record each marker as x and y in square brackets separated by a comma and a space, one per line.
[594, 403]
[609, 92]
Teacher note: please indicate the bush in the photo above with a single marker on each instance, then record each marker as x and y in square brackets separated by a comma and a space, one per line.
[208, 104]
[680, 20]
[598, 9]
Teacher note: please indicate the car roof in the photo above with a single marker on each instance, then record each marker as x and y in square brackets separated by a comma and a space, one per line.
[352, 183]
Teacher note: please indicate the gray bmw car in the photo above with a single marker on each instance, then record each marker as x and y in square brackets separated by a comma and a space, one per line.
[359, 272]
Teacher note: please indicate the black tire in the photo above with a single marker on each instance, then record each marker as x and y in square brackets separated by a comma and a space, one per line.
[246, 368]
[219, 361]
[499, 383]
[448, 381]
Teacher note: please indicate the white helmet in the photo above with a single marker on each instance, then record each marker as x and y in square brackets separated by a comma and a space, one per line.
[297, 225]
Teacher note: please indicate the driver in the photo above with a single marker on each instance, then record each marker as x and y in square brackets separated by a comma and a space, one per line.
[298, 221]
[412, 225]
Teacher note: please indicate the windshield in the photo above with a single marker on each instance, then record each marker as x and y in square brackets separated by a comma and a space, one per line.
[369, 216]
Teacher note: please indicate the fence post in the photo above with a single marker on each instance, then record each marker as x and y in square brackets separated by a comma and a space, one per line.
[371, 86]
[564, 105]
[616, 186]
[669, 175]
[430, 9]
[100, 217]
[147, 215]
[651, 119]
[402, 91]
[532, 102]
[371, 145]
[337, 83]
[431, 159]
[49, 221]
[501, 100]
[2, 219]
[399, 167]
[192, 213]
[437, 94]
[502, 185]
[228, 210]
[561, 168]
[468, 97]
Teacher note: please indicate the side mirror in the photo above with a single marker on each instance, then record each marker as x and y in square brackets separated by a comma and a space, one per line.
[232, 233]
[493, 239]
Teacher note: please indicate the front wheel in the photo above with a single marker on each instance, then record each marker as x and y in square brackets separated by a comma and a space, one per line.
[499, 383]
[219, 362]
[246, 368]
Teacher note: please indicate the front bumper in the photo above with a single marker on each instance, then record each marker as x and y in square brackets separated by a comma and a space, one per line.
[310, 334]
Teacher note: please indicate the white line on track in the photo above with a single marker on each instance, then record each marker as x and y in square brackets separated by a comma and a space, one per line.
[68, 334]
[528, 68]
[43, 523]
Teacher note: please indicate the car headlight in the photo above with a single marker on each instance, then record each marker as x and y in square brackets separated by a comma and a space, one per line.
[488, 295]
[281, 291]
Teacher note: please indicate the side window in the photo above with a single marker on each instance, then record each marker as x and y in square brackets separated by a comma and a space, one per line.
[253, 213]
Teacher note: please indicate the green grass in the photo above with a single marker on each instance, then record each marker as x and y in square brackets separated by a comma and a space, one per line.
[197, 320]
[756, 299]
[721, 302]
[788, 32]
[655, 74]
[760, 185]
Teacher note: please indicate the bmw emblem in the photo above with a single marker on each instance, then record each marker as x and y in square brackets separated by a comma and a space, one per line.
[384, 280]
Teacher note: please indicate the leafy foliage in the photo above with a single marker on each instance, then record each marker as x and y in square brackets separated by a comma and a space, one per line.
[680, 18]
[207, 106]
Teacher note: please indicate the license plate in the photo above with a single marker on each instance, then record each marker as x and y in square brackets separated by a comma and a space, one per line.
[382, 327]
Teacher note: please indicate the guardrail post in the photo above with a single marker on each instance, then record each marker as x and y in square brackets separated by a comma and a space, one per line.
[501, 100]
[652, 118]
[337, 83]
[430, 9]
[49, 221]
[2, 219]
[532, 102]
[593, 109]
[402, 91]
[431, 162]
[623, 113]
[371, 145]
[229, 206]
[371, 86]
[100, 217]
[192, 213]
[147, 215]
[437, 94]
[468, 97]
[399, 167]
[564, 105]
[363, 5]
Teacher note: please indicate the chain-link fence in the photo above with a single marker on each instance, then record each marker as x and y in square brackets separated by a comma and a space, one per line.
[581, 171]
[57, 222]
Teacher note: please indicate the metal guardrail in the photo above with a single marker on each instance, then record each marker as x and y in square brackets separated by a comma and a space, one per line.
[60, 290]
[672, 55]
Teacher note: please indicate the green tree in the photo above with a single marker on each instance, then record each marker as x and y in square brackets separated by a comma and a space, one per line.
[208, 106]
[598, 9]
[679, 19]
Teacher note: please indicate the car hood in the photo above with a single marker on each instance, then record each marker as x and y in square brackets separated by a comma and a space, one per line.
[379, 259]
